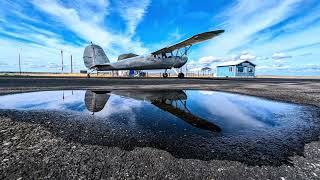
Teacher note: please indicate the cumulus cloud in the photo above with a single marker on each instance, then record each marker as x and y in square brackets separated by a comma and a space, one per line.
[204, 63]
[274, 61]
[247, 57]
[209, 60]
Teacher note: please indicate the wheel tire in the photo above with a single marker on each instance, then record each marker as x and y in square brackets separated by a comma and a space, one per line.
[165, 75]
[88, 75]
[180, 75]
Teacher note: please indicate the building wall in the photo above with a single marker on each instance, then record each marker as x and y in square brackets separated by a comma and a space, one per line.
[245, 67]
[225, 71]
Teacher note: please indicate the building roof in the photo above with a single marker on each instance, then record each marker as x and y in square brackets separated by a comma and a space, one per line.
[234, 63]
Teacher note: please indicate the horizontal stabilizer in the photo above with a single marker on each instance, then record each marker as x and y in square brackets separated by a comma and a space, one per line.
[100, 65]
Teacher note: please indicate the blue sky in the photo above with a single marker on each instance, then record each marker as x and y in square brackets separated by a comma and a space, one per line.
[281, 37]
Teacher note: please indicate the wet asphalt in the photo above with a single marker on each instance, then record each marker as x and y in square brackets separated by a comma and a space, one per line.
[45, 145]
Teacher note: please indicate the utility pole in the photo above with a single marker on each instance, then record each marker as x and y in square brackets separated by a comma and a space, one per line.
[186, 69]
[71, 63]
[62, 61]
[19, 63]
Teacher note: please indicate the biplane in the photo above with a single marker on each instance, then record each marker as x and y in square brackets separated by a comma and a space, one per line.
[171, 57]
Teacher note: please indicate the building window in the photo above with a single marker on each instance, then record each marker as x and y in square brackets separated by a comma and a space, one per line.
[250, 69]
[240, 69]
[230, 69]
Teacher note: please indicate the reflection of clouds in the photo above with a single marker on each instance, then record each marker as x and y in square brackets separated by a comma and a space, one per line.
[45, 100]
[235, 111]
[65, 100]
[218, 104]
[206, 92]
[123, 107]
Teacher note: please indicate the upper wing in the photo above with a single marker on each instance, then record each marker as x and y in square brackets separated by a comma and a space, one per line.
[193, 40]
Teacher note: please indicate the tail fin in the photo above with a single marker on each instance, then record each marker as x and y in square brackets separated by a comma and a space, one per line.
[94, 55]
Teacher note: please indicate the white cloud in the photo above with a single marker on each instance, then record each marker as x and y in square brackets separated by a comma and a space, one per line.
[132, 12]
[209, 60]
[72, 18]
[94, 11]
[245, 19]
[259, 27]
[247, 57]
[277, 56]
[42, 44]
[42, 56]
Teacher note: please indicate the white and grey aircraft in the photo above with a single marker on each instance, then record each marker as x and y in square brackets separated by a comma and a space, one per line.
[171, 57]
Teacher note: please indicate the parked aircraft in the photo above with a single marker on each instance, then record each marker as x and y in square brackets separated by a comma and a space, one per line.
[165, 100]
[171, 57]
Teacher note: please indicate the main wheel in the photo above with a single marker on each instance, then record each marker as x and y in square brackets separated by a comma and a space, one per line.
[165, 75]
[88, 75]
[180, 75]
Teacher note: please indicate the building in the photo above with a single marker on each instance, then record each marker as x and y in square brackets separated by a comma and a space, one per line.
[240, 68]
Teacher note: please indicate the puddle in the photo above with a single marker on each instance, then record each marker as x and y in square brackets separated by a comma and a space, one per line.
[191, 124]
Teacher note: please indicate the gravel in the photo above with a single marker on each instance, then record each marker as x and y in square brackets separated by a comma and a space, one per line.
[30, 150]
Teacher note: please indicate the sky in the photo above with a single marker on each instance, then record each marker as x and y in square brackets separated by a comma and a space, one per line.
[280, 37]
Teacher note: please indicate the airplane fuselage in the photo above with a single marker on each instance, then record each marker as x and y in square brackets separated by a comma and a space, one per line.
[146, 62]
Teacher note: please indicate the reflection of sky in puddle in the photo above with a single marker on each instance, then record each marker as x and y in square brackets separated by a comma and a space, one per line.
[189, 124]
[231, 112]
[234, 111]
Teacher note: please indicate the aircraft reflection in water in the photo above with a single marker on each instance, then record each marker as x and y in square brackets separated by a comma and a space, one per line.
[165, 100]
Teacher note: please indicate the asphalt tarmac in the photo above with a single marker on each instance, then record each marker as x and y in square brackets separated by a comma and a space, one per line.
[31, 150]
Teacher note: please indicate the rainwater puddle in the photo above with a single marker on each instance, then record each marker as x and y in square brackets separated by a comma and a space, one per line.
[190, 124]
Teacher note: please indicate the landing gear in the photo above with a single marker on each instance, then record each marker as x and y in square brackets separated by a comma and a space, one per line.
[165, 75]
[88, 74]
[180, 75]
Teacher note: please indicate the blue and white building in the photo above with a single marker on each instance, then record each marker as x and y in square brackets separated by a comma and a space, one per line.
[240, 68]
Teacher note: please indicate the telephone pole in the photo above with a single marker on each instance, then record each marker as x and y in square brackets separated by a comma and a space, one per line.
[62, 61]
[186, 69]
[19, 63]
[71, 63]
